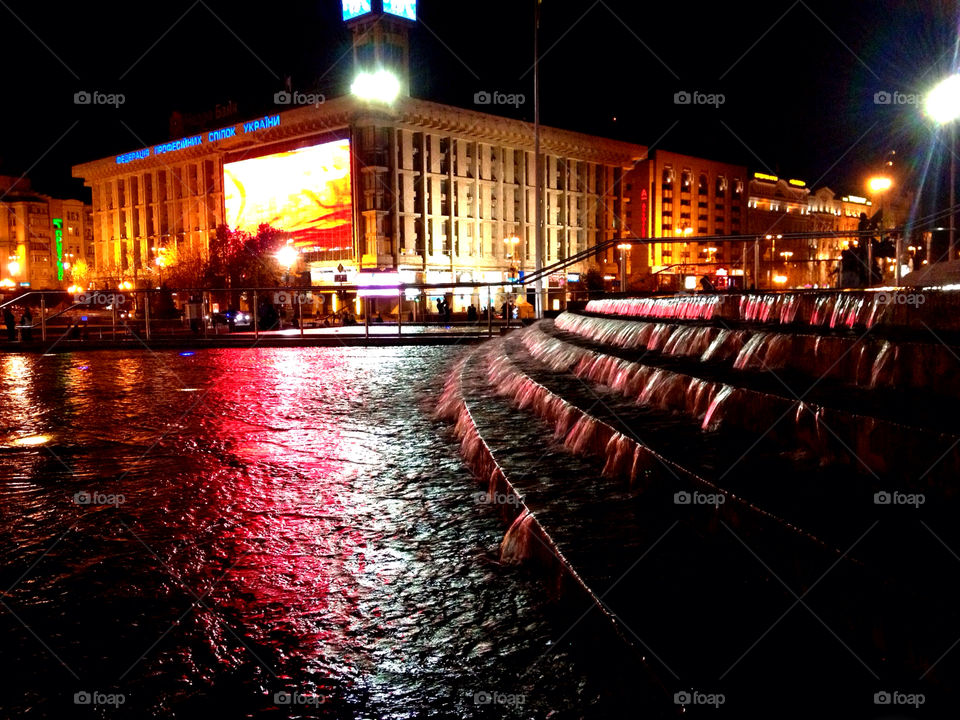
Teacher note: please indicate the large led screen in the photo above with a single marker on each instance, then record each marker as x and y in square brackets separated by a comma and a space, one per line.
[304, 192]
[355, 8]
[404, 8]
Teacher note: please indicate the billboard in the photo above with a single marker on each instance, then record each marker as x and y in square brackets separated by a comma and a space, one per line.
[404, 8]
[304, 192]
[355, 8]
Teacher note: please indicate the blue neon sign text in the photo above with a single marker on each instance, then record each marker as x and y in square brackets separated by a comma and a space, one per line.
[264, 123]
[355, 8]
[403, 8]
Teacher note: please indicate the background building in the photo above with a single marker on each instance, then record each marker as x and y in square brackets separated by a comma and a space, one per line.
[681, 197]
[43, 240]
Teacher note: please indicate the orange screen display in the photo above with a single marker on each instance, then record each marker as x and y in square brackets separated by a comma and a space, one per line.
[304, 192]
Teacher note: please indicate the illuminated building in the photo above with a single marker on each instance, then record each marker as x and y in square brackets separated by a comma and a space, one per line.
[428, 191]
[41, 237]
[681, 196]
[418, 187]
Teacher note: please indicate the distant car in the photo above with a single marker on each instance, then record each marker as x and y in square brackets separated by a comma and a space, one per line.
[240, 319]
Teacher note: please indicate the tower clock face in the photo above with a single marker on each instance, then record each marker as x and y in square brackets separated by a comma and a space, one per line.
[403, 8]
[355, 8]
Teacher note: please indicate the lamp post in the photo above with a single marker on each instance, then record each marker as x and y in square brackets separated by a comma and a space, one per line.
[624, 248]
[878, 186]
[942, 105]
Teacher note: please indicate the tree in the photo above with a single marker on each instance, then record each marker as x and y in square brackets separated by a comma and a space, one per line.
[239, 259]
[185, 266]
[80, 273]
[593, 280]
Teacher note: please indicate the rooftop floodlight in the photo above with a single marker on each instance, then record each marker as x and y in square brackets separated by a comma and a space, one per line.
[380, 86]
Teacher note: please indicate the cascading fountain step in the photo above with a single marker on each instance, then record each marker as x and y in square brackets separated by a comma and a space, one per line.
[594, 522]
[771, 372]
[744, 465]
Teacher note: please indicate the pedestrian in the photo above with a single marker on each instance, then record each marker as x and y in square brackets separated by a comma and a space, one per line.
[472, 313]
[447, 312]
[11, 322]
[26, 323]
[441, 310]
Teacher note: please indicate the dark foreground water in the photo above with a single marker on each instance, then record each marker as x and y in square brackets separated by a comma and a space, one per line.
[258, 533]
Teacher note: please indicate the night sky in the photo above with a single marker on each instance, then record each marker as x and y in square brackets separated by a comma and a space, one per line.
[798, 78]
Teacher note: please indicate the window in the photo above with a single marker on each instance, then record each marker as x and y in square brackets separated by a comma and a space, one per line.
[702, 184]
[737, 187]
[721, 186]
[685, 179]
[667, 177]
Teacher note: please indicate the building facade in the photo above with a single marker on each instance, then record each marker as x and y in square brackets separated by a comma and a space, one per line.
[431, 192]
[44, 241]
[682, 197]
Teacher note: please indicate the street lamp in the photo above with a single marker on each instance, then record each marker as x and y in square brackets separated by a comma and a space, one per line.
[878, 186]
[624, 248]
[942, 105]
[511, 243]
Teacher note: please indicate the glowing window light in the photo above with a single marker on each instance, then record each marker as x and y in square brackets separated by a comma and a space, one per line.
[365, 281]
[382, 86]
[780, 279]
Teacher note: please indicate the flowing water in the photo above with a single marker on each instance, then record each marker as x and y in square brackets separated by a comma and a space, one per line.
[259, 533]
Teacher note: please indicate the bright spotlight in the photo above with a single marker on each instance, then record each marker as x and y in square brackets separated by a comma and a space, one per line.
[287, 256]
[382, 86]
[879, 184]
[943, 102]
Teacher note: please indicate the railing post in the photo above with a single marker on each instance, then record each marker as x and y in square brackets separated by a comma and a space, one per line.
[400, 312]
[489, 311]
[256, 317]
[113, 320]
[146, 313]
[300, 297]
[756, 264]
[203, 316]
[43, 317]
[366, 317]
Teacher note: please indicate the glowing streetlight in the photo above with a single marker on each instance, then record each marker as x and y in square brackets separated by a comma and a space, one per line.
[511, 243]
[879, 184]
[287, 256]
[14, 267]
[381, 86]
[942, 105]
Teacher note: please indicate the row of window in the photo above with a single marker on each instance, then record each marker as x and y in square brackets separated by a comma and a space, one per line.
[721, 185]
